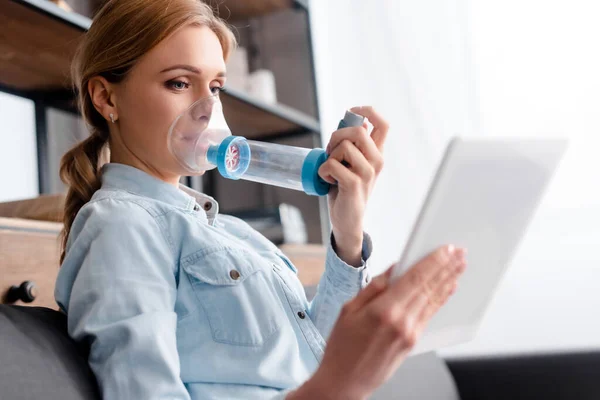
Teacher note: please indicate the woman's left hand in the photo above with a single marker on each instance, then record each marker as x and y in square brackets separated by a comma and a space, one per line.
[352, 184]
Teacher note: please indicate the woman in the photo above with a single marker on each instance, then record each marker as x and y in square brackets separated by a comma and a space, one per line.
[176, 301]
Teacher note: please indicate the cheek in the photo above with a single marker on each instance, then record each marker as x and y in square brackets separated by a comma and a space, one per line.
[159, 116]
[146, 113]
[147, 121]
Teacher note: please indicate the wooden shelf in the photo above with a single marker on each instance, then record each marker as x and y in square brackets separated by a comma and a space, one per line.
[29, 253]
[252, 118]
[38, 40]
[309, 259]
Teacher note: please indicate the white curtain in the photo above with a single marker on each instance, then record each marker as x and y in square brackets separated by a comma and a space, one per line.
[437, 68]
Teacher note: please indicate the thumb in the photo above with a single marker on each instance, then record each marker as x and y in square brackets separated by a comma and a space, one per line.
[371, 291]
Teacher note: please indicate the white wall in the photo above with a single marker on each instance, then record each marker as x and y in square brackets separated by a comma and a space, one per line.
[435, 68]
[18, 150]
[538, 75]
[412, 65]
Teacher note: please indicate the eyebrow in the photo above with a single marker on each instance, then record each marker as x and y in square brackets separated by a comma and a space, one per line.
[189, 68]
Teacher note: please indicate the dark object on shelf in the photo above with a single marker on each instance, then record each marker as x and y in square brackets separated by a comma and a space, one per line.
[281, 225]
[26, 292]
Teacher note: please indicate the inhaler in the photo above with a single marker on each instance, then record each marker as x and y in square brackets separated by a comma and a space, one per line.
[200, 140]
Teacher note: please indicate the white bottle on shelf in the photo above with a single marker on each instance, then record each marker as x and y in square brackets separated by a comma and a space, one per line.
[261, 86]
[237, 69]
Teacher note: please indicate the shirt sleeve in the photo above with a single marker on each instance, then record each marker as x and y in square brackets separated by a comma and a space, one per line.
[339, 283]
[121, 303]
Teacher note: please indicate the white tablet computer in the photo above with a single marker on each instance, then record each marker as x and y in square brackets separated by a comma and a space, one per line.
[483, 197]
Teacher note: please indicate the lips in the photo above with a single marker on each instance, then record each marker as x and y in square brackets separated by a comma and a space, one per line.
[193, 132]
[187, 138]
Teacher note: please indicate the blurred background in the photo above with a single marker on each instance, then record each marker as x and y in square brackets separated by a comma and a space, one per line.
[434, 69]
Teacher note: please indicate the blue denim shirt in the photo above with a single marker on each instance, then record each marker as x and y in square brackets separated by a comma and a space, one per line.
[175, 301]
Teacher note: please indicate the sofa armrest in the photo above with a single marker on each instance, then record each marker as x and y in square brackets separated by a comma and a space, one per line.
[541, 376]
[39, 359]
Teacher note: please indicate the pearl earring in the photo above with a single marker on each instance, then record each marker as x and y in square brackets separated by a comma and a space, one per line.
[112, 117]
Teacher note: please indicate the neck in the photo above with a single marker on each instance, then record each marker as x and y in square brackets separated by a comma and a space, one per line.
[122, 155]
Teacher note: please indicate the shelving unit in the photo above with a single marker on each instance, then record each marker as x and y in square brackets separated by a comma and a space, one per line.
[38, 40]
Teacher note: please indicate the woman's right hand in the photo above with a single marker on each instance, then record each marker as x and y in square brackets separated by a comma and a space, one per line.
[377, 329]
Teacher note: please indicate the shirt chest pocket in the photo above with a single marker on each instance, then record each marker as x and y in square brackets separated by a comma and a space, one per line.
[234, 289]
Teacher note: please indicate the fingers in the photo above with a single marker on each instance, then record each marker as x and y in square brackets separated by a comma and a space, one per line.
[442, 287]
[371, 291]
[434, 286]
[393, 323]
[349, 155]
[380, 126]
[422, 272]
[429, 310]
[358, 137]
[333, 171]
[404, 321]
[416, 283]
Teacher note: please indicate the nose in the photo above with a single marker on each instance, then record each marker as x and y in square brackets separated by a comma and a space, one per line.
[202, 109]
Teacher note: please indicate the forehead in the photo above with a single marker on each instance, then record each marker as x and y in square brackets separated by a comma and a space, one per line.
[197, 46]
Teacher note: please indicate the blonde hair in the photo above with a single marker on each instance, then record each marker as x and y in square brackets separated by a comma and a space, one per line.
[121, 33]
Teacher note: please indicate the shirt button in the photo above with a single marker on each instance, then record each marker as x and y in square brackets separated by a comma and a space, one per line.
[234, 274]
[208, 206]
[196, 207]
[301, 314]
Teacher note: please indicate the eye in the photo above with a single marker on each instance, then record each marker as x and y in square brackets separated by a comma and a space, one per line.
[216, 90]
[177, 85]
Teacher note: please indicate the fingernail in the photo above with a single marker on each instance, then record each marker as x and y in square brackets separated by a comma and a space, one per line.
[450, 249]
[331, 181]
[458, 253]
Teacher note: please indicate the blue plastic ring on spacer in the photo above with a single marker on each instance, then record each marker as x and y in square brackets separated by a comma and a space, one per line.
[312, 183]
[217, 155]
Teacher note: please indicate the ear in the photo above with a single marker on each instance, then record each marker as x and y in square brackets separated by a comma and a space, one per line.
[103, 97]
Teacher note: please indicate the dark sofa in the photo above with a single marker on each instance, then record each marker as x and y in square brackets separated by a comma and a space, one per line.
[39, 361]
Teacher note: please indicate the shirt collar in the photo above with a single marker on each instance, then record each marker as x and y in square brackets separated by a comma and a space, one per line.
[203, 201]
[136, 181]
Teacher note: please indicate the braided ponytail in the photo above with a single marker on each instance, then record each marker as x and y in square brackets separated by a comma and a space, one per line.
[80, 170]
